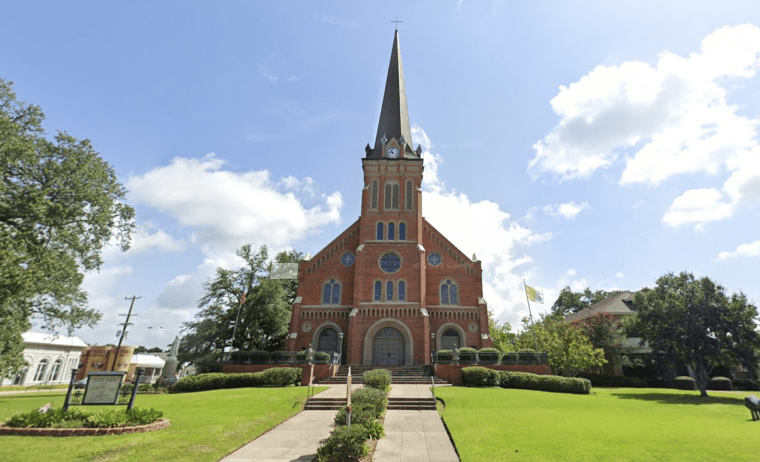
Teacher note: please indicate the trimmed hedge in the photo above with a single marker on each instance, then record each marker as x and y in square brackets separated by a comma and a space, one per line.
[600, 380]
[528, 381]
[468, 355]
[480, 377]
[348, 443]
[720, 383]
[683, 382]
[274, 377]
[372, 398]
[747, 384]
[345, 443]
[489, 356]
[377, 378]
[510, 358]
[73, 418]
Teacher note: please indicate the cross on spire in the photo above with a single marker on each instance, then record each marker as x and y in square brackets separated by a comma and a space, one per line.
[397, 21]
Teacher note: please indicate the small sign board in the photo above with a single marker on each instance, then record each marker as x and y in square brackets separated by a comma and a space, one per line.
[103, 388]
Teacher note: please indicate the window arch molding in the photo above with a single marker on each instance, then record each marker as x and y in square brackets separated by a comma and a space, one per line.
[331, 291]
[322, 327]
[448, 292]
[379, 231]
[386, 253]
[391, 195]
[446, 326]
[401, 231]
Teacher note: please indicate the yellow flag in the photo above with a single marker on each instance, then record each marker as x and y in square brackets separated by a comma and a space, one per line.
[534, 295]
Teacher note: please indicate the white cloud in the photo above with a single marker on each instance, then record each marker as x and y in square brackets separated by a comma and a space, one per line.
[619, 275]
[664, 120]
[227, 209]
[568, 210]
[480, 228]
[749, 250]
[143, 240]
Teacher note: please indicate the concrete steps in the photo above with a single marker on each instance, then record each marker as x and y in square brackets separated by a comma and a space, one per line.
[324, 404]
[412, 404]
[413, 375]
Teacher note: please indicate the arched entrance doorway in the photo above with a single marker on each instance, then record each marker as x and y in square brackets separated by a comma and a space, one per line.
[328, 341]
[388, 348]
[450, 340]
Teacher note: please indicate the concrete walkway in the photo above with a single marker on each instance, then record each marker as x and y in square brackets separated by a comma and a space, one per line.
[413, 436]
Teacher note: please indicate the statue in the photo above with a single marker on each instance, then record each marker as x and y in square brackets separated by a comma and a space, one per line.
[169, 374]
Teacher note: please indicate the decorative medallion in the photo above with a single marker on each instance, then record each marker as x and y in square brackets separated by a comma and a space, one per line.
[434, 259]
[347, 259]
[473, 327]
[390, 263]
[306, 326]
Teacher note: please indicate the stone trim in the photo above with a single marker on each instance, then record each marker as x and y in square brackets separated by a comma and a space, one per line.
[157, 425]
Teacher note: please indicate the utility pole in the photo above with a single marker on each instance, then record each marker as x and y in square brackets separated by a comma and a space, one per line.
[124, 331]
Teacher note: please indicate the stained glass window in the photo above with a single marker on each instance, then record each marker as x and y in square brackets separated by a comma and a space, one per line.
[378, 289]
[391, 231]
[434, 259]
[391, 196]
[402, 231]
[390, 263]
[448, 293]
[389, 291]
[444, 294]
[402, 290]
[336, 294]
[379, 235]
[331, 293]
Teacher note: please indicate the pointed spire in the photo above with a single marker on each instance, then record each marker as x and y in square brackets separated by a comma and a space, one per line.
[394, 115]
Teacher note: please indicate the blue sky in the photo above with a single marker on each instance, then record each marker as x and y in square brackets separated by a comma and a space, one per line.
[581, 144]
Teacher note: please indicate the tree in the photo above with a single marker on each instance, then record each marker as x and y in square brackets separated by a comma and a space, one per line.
[570, 302]
[60, 203]
[262, 319]
[694, 321]
[604, 331]
[567, 348]
[501, 334]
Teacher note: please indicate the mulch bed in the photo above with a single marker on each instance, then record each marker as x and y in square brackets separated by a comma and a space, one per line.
[159, 424]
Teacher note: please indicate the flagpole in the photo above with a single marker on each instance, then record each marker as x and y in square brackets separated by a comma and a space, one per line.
[532, 327]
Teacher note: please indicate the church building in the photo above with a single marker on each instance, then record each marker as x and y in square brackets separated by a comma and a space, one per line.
[391, 286]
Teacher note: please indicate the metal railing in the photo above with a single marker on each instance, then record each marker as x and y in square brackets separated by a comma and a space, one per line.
[280, 357]
[490, 358]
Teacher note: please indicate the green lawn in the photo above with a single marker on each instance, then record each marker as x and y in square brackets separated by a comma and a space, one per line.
[205, 427]
[623, 424]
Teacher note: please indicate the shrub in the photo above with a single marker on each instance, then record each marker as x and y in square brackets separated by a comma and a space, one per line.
[276, 376]
[143, 416]
[526, 350]
[489, 356]
[106, 419]
[372, 398]
[480, 377]
[746, 384]
[468, 355]
[600, 380]
[510, 358]
[282, 376]
[75, 417]
[126, 388]
[345, 443]
[720, 383]
[683, 382]
[34, 419]
[527, 381]
[378, 378]
[444, 356]
[375, 430]
[360, 415]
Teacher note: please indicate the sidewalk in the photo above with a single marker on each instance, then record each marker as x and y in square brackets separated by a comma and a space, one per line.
[410, 436]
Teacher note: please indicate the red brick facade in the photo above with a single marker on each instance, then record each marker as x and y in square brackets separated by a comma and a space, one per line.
[392, 268]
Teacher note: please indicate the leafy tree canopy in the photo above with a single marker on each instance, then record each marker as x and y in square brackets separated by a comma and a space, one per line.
[501, 334]
[693, 320]
[570, 302]
[262, 318]
[60, 203]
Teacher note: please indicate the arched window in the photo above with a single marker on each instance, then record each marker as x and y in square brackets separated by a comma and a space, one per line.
[379, 234]
[373, 201]
[401, 290]
[448, 293]
[331, 293]
[378, 291]
[389, 291]
[409, 196]
[450, 340]
[56, 371]
[328, 341]
[391, 196]
[402, 231]
[39, 376]
[391, 232]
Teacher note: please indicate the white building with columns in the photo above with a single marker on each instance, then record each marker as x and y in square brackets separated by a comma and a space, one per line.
[49, 359]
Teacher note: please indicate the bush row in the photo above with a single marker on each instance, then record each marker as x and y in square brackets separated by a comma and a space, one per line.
[350, 443]
[484, 377]
[75, 417]
[601, 380]
[274, 377]
[491, 356]
[378, 378]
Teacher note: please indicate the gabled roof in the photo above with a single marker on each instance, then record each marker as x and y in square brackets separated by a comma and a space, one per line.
[394, 115]
[618, 305]
[147, 361]
[43, 338]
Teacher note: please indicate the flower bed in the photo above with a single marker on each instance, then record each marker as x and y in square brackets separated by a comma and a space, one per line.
[157, 425]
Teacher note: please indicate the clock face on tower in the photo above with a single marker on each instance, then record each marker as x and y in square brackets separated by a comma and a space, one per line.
[392, 153]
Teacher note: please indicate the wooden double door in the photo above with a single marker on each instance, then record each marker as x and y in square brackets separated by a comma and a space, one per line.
[388, 348]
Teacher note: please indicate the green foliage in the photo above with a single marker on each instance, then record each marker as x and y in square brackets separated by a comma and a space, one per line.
[511, 357]
[601, 380]
[377, 378]
[345, 443]
[500, 333]
[480, 377]
[694, 321]
[489, 356]
[567, 348]
[684, 382]
[570, 302]
[375, 430]
[527, 381]
[273, 377]
[747, 384]
[75, 417]
[605, 332]
[720, 383]
[60, 203]
[262, 319]
[360, 415]
[372, 398]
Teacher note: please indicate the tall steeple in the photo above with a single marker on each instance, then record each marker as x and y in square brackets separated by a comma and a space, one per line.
[394, 115]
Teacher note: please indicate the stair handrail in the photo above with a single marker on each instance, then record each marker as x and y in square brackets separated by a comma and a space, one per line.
[310, 389]
[348, 398]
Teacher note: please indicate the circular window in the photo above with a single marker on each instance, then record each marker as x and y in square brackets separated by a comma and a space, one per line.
[434, 259]
[347, 259]
[390, 263]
